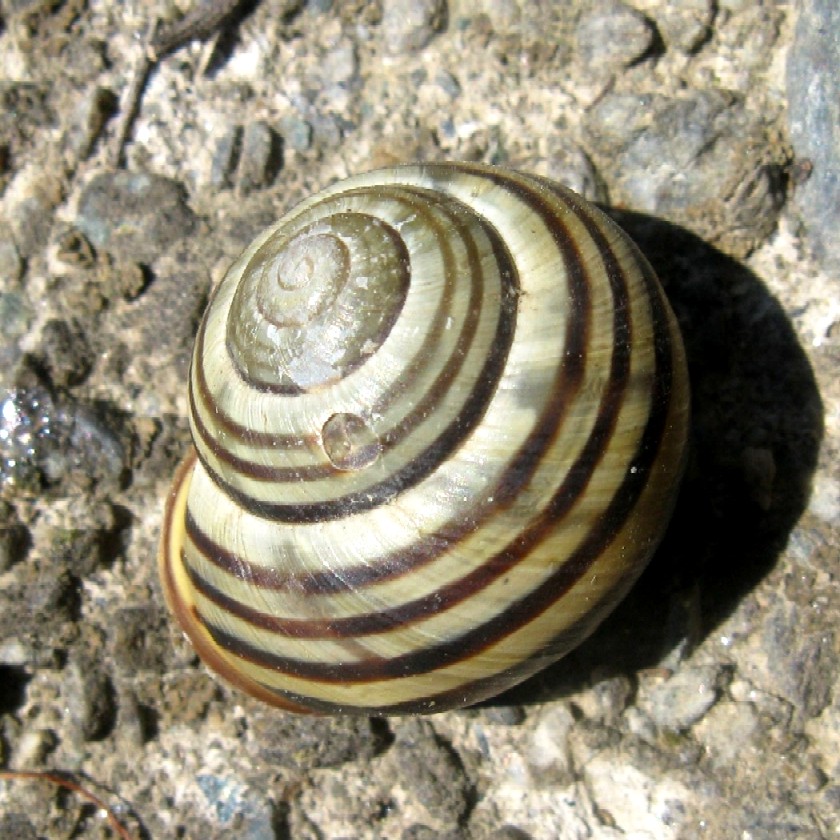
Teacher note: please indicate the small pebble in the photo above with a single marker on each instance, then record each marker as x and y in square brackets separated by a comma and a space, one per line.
[548, 750]
[91, 699]
[297, 132]
[237, 807]
[310, 742]
[409, 25]
[35, 626]
[159, 328]
[134, 216]
[727, 731]
[327, 129]
[226, 157]
[637, 799]
[11, 265]
[448, 84]
[339, 66]
[503, 715]
[73, 249]
[261, 157]
[606, 700]
[65, 353]
[32, 196]
[686, 24]
[88, 121]
[123, 280]
[793, 663]
[32, 748]
[502, 14]
[418, 831]
[138, 641]
[81, 533]
[15, 315]
[90, 448]
[682, 700]
[25, 109]
[611, 35]
[16, 825]
[571, 166]
[690, 159]
[509, 832]
[429, 772]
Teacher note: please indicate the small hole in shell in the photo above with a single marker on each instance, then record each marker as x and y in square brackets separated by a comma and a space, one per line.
[349, 442]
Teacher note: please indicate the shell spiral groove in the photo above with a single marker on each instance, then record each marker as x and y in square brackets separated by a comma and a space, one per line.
[440, 417]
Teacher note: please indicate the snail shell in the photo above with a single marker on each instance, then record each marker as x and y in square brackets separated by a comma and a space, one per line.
[439, 416]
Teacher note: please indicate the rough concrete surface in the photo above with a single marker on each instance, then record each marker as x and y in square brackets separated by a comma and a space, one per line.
[708, 704]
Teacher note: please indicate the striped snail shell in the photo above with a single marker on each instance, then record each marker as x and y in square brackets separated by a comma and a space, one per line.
[439, 415]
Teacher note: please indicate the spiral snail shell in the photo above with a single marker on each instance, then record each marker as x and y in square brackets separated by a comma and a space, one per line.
[439, 415]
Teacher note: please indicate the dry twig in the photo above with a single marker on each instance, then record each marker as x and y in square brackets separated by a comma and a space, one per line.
[203, 21]
[62, 781]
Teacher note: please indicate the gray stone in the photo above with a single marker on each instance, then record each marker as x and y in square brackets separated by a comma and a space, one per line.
[503, 715]
[729, 731]
[15, 315]
[88, 447]
[663, 146]
[35, 196]
[305, 743]
[418, 831]
[159, 328]
[91, 699]
[35, 625]
[509, 832]
[297, 132]
[88, 121]
[339, 66]
[65, 353]
[623, 788]
[11, 265]
[134, 216]
[607, 699]
[796, 664]
[696, 160]
[501, 14]
[813, 89]
[14, 824]
[683, 699]
[430, 772]
[749, 35]
[686, 24]
[447, 83]
[25, 109]
[138, 643]
[262, 157]
[239, 810]
[327, 129]
[611, 35]
[408, 25]
[569, 165]
[226, 157]
[548, 750]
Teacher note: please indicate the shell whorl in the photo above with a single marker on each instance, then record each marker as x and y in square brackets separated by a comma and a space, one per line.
[440, 416]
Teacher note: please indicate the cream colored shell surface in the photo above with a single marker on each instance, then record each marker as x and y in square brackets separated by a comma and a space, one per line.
[440, 416]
